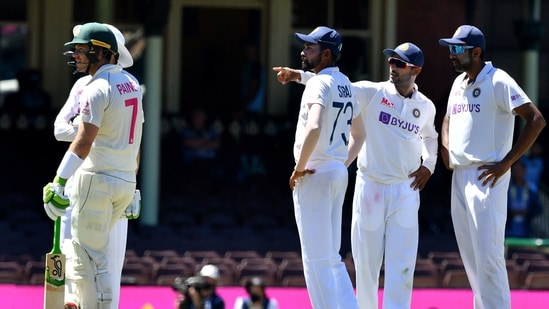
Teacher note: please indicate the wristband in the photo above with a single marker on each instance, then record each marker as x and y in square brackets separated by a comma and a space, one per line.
[70, 163]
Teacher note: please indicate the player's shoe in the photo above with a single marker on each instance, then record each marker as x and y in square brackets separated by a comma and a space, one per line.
[70, 305]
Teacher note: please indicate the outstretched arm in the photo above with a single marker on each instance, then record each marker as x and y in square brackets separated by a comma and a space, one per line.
[285, 75]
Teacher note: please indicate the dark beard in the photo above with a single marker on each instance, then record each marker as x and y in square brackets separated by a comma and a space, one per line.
[305, 65]
[309, 66]
[463, 66]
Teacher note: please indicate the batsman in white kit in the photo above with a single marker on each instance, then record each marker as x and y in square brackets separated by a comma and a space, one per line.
[65, 128]
[101, 161]
[477, 144]
[328, 114]
[394, 163]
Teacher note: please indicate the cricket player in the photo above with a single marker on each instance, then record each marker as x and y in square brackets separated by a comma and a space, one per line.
[103, 160]
[65, 128]
[477, 144]
[327, 115]
[394, 163]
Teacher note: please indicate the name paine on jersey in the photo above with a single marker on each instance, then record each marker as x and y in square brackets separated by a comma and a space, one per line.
[127, 87]
[123, 88]
[391, 120]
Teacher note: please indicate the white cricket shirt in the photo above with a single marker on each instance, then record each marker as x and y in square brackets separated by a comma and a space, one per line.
[331, 89]
[481, 116]
[112, 100]
[400, 132]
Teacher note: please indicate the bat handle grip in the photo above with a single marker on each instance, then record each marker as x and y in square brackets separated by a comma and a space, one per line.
[57, 236]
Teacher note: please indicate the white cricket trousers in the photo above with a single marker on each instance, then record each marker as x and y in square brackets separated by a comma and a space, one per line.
[116, 248]
[384, 221]
[318, 202]
[99, 200]
[479, 214]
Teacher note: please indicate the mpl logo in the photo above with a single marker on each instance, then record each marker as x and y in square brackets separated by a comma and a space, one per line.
[384, 117]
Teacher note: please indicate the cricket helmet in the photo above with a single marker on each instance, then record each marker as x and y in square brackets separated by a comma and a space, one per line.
[94, 34]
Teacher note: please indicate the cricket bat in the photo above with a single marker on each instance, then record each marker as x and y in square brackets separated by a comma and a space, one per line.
[54, 280]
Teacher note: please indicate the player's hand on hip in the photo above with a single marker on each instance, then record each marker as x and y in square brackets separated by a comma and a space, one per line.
[297, 175]
[421, 176]
[134, 208]
[286, 75]
[54, 198]
[490, 173]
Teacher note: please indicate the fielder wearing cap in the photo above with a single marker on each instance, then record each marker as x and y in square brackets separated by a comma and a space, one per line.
[319, 177]
[408, 52]
[325, 37]
[465, 37]
[466, 34]
[478, 143]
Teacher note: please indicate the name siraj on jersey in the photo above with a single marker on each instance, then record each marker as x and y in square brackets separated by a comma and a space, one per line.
[465, 108]
[344, 91]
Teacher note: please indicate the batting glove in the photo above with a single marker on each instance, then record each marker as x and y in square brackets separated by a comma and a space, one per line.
[55, 200]
[134, 208]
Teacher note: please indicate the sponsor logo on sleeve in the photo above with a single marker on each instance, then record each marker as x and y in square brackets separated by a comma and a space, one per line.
[515, 97]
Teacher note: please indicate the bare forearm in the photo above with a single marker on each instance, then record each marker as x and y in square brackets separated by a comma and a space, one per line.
[309, 144]
[444, 151]
[356, 141]
[525, 140]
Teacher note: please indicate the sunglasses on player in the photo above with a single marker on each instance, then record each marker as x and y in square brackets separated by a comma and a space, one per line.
[399, 63]
[459, 49]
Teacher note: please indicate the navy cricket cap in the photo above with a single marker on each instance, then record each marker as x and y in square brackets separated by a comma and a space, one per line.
[408, 52]
[466, 34]
[323, 36]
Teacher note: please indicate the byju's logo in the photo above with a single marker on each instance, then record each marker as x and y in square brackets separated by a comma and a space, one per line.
[465, 108]
[384, 117]
[387, 119]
